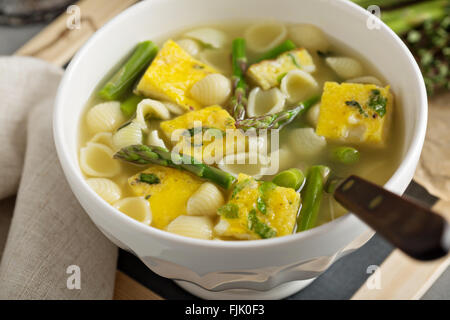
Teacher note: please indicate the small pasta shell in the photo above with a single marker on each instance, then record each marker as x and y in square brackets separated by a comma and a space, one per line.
[208, 36]
[128, 135]
[97, 160]
[312, 116]
[153, 139]
[265, 36]
[262, 102]
[135, 207]
[193, 227]
[149, 108]
[255, 164]
[366, 80]
[298, 85]
[221, 227]
[103, 138]
[309, 36]
[105, 117]
[217, 58]
[190, 46]
[174, 108]
[212, 89]
[306, 142]
[107, 189]
[205, 201]
[345, 67]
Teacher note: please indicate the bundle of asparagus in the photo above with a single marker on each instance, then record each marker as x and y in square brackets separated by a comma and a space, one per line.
[425, 27]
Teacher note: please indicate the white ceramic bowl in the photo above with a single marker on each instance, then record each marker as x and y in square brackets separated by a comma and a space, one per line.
[271, 268]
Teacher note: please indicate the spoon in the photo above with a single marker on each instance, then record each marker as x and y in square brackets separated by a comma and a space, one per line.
[414, 229]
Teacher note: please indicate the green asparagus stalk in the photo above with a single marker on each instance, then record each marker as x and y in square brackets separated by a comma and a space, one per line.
[277, 120]
[129, 105]
[239, 64]
[291, 178]
[312, 194]
[275, 52]
[345, 155]
[122, 81]
[404, 19]
[142, 154]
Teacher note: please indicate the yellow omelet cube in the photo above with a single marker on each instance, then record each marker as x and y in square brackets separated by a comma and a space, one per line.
[168, 198]
[172, 74]
[268, 73]
[244, 218]
[213, 117]
[355, 113]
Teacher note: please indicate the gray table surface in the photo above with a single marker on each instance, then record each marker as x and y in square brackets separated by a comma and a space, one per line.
[339, 282]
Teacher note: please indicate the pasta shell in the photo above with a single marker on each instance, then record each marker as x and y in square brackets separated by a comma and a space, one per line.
[174, 108]
[97, 160]
[105, 117]
[366, 80]
[193, 227]
[135, 207]
[105, 188]
[190, 46]
[217, 58]
[221, 227]
[265, 36]
[306, 143]
[205, 201]
[265, 101]
[212, 89]
[345, 67]
[208, 36]
[298, 85]
[103, 138]
[309, 36]
[149, 108]
[128, 135]
[255, 164]
[312, 116]
[153, 139]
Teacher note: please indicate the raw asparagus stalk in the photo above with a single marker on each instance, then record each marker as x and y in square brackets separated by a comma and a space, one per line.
[404, 19]
[277, 120]
[312, 194]
[122, 81]
[142, 154]
[275, 52]
[239, 64]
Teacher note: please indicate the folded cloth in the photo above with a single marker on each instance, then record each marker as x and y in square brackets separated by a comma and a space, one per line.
[51, 243]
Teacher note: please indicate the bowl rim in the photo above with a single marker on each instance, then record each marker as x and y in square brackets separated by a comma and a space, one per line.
[72, 170]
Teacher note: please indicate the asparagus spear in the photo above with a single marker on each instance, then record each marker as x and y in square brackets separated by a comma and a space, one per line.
[291, 178]
[239, 63]
[345, 155]
[143, 154]
[312, 194]
[275, 52]
[404, 19]
[277, 120]
[125, 77]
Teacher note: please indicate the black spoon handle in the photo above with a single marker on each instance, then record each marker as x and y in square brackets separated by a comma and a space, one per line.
[415, 230]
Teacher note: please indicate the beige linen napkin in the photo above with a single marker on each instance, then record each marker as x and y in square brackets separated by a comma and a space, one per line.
[49, 231]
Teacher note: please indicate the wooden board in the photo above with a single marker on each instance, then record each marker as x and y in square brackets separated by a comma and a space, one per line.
[402, 277]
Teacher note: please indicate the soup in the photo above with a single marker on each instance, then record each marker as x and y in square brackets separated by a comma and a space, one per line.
[237, 131]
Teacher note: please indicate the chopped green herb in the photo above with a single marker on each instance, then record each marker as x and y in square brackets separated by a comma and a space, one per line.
[239, 187]
[355, 104]
[261, 204]
[149, 178]
[259, 227]
[377, 103]
[294, 60]
[229, 211]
